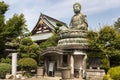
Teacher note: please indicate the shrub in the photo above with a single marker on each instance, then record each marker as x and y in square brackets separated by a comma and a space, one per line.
[4, 69]
[105, 64]
[7, 60]
[107, 77]
[27, 63]
[114, 73]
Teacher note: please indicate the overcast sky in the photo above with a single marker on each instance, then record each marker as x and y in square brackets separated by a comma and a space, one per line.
[103, 12]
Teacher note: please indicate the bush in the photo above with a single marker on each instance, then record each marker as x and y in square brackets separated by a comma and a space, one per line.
[114, 73]
[107, 77]
[105, 64]
[4, 69]
[27, 63]
[7, 60]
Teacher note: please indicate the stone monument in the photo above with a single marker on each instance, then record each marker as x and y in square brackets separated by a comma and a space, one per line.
[76, 34]
[74, 40]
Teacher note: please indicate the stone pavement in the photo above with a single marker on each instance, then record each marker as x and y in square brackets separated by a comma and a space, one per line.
[46, 78]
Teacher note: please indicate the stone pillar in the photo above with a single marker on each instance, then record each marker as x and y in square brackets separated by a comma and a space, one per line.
[84, 66]
[14, 63]
[61, 60]
[72, 65]
[58, 58]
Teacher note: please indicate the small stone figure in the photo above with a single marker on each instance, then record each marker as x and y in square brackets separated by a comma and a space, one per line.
[78, 21]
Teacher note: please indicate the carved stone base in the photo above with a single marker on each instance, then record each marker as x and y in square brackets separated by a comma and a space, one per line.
[73, 41]
[73, 34]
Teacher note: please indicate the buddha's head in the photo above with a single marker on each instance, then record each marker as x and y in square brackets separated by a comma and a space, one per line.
[77, 8]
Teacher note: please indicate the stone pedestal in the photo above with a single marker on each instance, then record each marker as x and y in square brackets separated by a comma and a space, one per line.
[40, 71]
[66, 73]
[76, 42]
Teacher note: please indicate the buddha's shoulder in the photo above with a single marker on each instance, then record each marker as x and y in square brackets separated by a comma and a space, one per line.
[82, 14]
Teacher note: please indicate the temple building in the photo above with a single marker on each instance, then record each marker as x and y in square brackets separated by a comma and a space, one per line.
[44, 27]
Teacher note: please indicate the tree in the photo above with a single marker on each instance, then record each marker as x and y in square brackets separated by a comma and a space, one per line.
[93, 40]
[106, 41]
[3, 9]
[50, 42]
[117, 24]
[16, 26]
[11, 29]
[28, 48]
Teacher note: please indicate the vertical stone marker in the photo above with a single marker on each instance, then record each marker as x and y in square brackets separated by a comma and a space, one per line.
[14, 64]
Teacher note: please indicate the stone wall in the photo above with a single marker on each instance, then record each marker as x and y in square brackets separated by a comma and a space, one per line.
[95, 74]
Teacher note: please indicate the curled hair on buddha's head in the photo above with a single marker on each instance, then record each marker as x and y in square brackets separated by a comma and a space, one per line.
[77, 3]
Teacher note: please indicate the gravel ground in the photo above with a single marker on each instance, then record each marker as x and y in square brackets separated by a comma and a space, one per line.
[47, 78]
[44, 78]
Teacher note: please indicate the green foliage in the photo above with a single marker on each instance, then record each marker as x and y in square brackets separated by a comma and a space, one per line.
[107, 77]
[28, 48]
[116, 42]
[114, 73]
[117, 23]
[93, 40]
[98, 42]
[105, 64]
[59, 24]
[12, 28]
[26, 63]
[107, 34]
[4, 69]
[7, 60]
[26, 41]
[16, 26]
[92, 35]
[3, 7]
[52, 41]
[115, 60]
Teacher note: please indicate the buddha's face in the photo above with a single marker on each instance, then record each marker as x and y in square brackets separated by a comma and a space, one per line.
[76, 8]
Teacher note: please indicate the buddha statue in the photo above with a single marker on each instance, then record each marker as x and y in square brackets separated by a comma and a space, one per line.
[78, 21]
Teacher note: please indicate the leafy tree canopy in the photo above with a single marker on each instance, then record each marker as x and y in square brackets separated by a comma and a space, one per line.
[3, 7]
[117, 23]
[16, 26]
[50, 42]
[106, 42]
[11, 29]
[28, 48]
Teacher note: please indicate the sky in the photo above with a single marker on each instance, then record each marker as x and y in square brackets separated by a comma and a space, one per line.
[99, 12]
